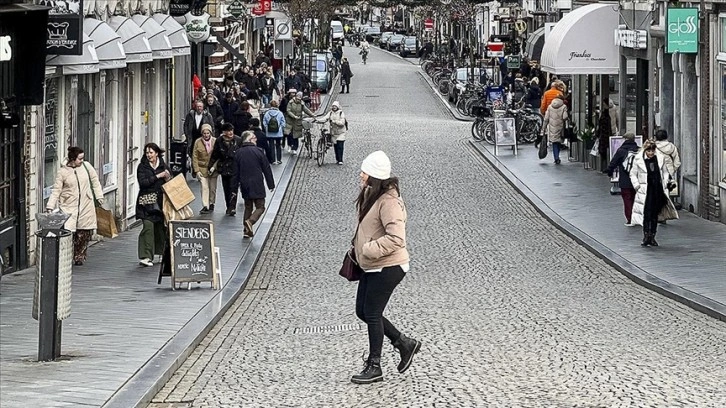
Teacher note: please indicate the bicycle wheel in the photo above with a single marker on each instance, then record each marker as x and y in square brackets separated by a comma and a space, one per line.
[487, 130]
[444, 87]
[461, 105]
[309, 145]
[321, 151]
[475, 130]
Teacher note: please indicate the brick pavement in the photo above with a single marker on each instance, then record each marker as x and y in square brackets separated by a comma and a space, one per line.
[512, 312]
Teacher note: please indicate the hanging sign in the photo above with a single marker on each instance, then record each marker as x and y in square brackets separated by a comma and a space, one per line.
[65, 27]
[495, 49]
[6, 51]
[236, 8]
[682, 30]
[429, 24]
[179, 8]
[197, 27]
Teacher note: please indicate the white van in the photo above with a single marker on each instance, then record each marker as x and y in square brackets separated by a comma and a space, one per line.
[338, 33]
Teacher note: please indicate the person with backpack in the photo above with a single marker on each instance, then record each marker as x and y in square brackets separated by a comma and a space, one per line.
[623, 162]
[274, 123]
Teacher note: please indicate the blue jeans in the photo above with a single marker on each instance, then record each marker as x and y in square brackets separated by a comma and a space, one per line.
[555, 150]
[292, 142]
[266, 100]
[339, 150]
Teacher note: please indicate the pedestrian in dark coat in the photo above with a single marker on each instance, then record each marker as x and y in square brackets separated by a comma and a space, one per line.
[262, 141]
[345, 75]
[534, 94]
[215, 110]
[151, 174]
[292, 81]
[251, 171]
[222, 161]
[229, 107]
[193, 123]
[241, 118]
[619, 161]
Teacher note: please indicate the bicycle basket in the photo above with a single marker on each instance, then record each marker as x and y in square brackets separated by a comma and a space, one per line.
[307, 124]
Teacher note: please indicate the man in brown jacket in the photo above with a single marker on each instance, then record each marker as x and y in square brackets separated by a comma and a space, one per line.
[200, 161]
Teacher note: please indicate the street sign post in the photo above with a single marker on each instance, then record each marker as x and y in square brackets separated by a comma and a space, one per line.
[429, 24]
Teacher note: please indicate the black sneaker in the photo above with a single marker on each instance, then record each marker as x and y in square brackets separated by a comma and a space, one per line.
[204, 210]
[371, 372]
[211, 207]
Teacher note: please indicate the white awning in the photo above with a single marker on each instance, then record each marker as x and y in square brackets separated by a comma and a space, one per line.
[108, 44]
[136, 45]
[86, 63]
[582, 42]
[160, 46]
[176, 33]
[535, 42]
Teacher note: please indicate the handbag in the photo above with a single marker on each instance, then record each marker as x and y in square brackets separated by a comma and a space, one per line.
[105, 221]
[569, 132]
[542, 152]
[350, 269]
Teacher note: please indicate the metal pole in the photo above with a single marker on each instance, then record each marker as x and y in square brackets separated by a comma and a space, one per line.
[49, 336]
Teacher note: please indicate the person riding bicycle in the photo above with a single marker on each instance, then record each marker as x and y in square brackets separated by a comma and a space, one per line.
[364, 49]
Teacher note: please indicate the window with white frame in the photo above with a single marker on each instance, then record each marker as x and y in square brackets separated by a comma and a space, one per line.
[109, 133]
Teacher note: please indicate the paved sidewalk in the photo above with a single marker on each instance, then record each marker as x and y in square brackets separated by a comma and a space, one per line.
[689, 265]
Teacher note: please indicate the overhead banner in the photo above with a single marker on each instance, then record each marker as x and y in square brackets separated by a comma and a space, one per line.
[65, 26]
[682, 30]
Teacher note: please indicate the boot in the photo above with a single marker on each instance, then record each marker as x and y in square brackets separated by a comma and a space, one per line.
[652, 239]
[371, 372]
[646, 239]
[407, 347]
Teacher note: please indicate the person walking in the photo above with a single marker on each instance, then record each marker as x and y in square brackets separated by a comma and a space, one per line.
[669, 151]
[293, 120]
[534, 94]
[345, 75]
[262, 141]
[241, 118]
[73, 190]
[380, 247]
[222, 161]
[251, 171]
[269, 87]
[215, 110]
[338, 125]
[201, 154]
[649, 176]
[620, 161]
[194, 121]
[274, 123]
[554, 123]
[152, 173]
[550, 95]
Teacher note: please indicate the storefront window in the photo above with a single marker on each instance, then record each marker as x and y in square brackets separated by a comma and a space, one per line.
[109, 132]
[722, 26]
[723, 123]
[86, 135]
[51, 164]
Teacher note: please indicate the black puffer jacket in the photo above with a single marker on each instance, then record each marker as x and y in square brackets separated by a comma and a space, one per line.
[150, 185]
[222, 158]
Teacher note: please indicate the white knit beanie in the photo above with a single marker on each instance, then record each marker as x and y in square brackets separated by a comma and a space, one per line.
[377, 165]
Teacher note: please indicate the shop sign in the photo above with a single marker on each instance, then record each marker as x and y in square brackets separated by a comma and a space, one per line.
[197, 27]
[682, 30]
[514, 61]
[236, 9]
[65, 27]
[635, 39]
[179, 8]
[6, 51]
[503, 12]
[495, 49]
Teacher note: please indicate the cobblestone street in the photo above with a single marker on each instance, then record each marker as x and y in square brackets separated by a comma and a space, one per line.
[511, 312]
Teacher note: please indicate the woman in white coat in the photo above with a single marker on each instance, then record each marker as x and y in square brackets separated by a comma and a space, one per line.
[650, 177]
[338, 129]
[75, 187]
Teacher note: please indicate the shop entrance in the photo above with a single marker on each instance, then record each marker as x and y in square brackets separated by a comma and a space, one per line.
[12, 202]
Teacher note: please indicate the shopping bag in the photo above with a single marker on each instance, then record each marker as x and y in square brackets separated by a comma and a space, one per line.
[595, 147]
[106, 223]
[542, 153]
[178, 192]
[172, 214]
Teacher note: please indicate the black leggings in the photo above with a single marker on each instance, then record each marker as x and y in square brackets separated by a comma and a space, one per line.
[374, 291]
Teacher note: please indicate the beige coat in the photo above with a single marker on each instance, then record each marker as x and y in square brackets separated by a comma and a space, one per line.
[554, 120]
[200, 157]
[381, 237]
[671, 156]
[336, 123]
[72, 194]
[639, 178]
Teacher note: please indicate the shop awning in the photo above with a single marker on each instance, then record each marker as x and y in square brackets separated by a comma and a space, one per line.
[160, 46]
[108, 44]
[136, 45]
[86, 63]
[535, 42]
[176, 33]
[582, 42]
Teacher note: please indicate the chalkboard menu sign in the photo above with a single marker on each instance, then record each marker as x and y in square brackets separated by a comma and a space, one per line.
[192, 252]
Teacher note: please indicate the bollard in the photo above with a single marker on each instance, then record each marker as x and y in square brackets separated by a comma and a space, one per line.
[52, 294]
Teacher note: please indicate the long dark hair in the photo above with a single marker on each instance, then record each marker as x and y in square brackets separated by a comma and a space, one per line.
[372, 192]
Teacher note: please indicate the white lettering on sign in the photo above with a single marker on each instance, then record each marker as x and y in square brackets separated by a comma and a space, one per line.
[679, 27]
[192, 233]
[6, 52]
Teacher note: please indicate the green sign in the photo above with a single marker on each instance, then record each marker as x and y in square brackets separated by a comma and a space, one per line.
[514, 61]
[682, 30]
[236, 8]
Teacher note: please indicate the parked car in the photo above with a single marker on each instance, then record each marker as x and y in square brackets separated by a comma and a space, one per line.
[394, 42]
[384, 39]
[408, 47]
[322, 70]
[458, 81]
[372, 33]
[338, 33]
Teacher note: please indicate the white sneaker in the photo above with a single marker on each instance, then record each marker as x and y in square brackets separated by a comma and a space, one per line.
[294, 152]
[628, 224]
[340, 163]
[146, 262]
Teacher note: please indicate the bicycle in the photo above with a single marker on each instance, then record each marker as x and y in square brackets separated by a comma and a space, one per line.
[323, 144]
[308, 138]
[364, 56]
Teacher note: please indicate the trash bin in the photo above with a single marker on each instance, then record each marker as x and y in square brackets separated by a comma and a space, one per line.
[52, 294]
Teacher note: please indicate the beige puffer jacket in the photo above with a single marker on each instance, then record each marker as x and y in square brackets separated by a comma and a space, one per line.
[381, 237]
[554, 120]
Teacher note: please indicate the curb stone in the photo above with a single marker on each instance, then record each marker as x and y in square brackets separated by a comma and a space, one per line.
[140, 388]
[628, 269]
